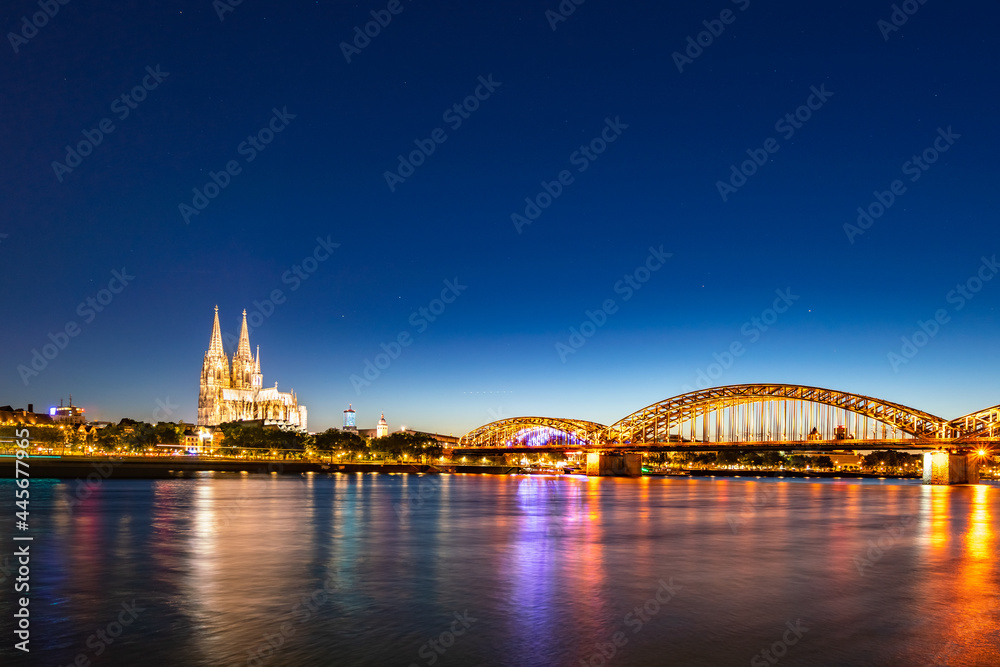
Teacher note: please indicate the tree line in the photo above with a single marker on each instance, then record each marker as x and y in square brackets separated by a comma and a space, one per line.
[132, 437]
[887, 461]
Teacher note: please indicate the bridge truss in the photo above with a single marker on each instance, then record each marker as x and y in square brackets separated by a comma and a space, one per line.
[759, 415]
[774, 412]
[982, 424]
[519, 432]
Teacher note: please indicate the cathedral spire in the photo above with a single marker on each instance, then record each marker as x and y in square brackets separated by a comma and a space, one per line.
[215, 347]
[243, 349]
[257, 361]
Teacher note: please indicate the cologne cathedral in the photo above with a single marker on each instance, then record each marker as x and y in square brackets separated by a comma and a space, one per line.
[238, 393]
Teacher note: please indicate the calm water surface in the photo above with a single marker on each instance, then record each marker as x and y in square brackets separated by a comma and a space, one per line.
[512, 570]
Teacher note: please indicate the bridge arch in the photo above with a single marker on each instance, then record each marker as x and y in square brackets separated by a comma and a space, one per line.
[533, 431]
[767, 405]
[983, 423]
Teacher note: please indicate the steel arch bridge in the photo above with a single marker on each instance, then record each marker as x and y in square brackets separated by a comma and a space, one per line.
[524, 431]
[762, 414]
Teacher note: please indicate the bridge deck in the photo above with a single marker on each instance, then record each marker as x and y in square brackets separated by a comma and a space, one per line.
[770, 445]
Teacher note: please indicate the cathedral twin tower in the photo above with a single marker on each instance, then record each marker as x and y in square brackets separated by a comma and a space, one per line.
[238, 394]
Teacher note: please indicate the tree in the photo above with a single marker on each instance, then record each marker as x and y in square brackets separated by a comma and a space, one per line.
[728, 457]
[824, 462]
[74, 440]
[277, 439]
[415, 445]
[242, 436]
[127, 436]
[110, 438]
[335, 440]
[249, 435]
[167, 433]
[774, 459]
[706, 458]
[142, 437]
[800, 461]
[891, 459]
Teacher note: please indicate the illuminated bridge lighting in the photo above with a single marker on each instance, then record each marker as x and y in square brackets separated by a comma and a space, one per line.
[748, 414]
[534, 432]
[544, 436]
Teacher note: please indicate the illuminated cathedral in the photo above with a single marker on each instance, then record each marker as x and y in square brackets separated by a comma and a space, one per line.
[237, 393]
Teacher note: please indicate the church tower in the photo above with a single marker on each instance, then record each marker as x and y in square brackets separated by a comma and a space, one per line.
[382, 429]
[244, 366]
[257, 379]
[236, 392]
[214, 377]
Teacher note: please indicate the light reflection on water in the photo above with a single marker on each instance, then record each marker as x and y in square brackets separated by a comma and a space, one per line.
[550, 568]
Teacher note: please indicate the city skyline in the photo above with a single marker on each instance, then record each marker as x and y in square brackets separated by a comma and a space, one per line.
[593, 181]
[540, 332]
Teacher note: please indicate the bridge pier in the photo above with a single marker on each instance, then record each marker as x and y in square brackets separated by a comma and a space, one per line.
[616, 465]
[948, 468]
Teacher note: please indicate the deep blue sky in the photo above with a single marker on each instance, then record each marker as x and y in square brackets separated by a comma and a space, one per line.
[493, 351]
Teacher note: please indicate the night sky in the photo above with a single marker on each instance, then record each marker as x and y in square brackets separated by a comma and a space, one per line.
[613, 124]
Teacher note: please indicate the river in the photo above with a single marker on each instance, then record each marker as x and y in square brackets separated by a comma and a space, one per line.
[394, 569]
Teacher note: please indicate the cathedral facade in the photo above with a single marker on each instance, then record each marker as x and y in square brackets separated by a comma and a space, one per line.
[237, 393]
